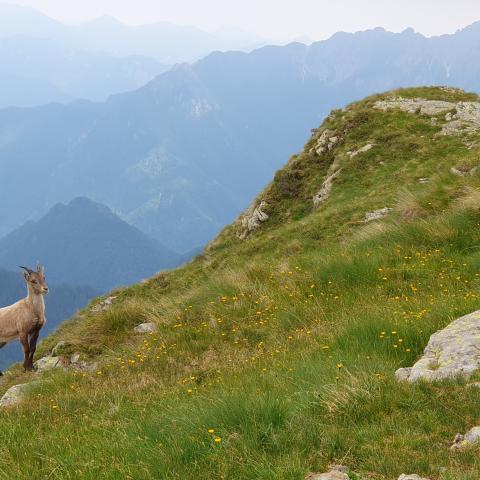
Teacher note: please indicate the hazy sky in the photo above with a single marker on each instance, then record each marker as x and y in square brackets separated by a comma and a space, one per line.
[276, 18]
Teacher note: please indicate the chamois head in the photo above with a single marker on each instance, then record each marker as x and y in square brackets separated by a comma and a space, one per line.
[36, 280]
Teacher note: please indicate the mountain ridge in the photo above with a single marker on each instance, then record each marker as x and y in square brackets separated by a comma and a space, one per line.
[187, 152]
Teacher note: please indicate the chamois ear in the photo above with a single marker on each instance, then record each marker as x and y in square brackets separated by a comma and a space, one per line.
[27, 272]
[40, 269]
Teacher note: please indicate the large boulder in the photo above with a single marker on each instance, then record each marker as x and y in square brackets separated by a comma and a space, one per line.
[14, 395]
[451, 352]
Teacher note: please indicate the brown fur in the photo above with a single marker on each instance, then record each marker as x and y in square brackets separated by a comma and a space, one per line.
[24, 319]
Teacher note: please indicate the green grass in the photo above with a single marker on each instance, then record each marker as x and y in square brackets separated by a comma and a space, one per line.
[284, 344]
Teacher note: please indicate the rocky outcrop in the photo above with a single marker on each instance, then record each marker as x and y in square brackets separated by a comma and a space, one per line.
[466, 119]
[415, 105]
[326, 188]
[472, 437]
[451, 352]
[377, 214]
[326, 141]
[72, 362]
[363, 149]
[252, 218]
[463, 172]
[104, 304]
[460, 117]
[145, 328]
[14, 395]
[49, 363]
[337, 472]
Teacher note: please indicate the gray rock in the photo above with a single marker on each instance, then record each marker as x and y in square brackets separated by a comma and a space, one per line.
[472, 437]
[145, 328]
[48, 363]
[465, 120]
[411, 477]
[326, 141]
[104, 304]
[403, 374]
[451, 352]
[377, 214]
[363, 149]
[415, 105]
[75, 358]
[464, 172]
[337, 472]
[253, 217]
[14, 395]
[326, 188]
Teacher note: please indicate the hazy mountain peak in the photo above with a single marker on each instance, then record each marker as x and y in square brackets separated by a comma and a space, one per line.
[104, 20]
[85, 243]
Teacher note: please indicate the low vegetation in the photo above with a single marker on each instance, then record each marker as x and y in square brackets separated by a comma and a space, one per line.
[275, 355]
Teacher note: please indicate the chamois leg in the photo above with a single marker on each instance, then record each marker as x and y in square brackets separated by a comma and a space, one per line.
[32, 343]
[26, 352]
[2, 344]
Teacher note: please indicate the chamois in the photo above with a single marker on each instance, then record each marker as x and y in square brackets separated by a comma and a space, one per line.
[25, 318]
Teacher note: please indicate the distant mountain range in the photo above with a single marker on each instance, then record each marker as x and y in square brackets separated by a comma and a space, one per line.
[37, 71]
[61, 304]
[84, 243]
[163, 41]
[43, 60]
[182, 156]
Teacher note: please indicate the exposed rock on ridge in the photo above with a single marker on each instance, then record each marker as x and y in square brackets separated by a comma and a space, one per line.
[466, 118]
[326, 141]
[252, 218]
[14, 395]
[451, 352]
[377, 214]
[326, 188]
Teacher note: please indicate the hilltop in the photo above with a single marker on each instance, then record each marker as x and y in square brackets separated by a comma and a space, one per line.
[275, 350]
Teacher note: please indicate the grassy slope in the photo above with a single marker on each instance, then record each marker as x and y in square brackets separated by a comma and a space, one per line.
[283, 345]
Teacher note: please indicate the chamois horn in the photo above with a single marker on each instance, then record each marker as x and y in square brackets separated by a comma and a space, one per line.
[28, 270]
